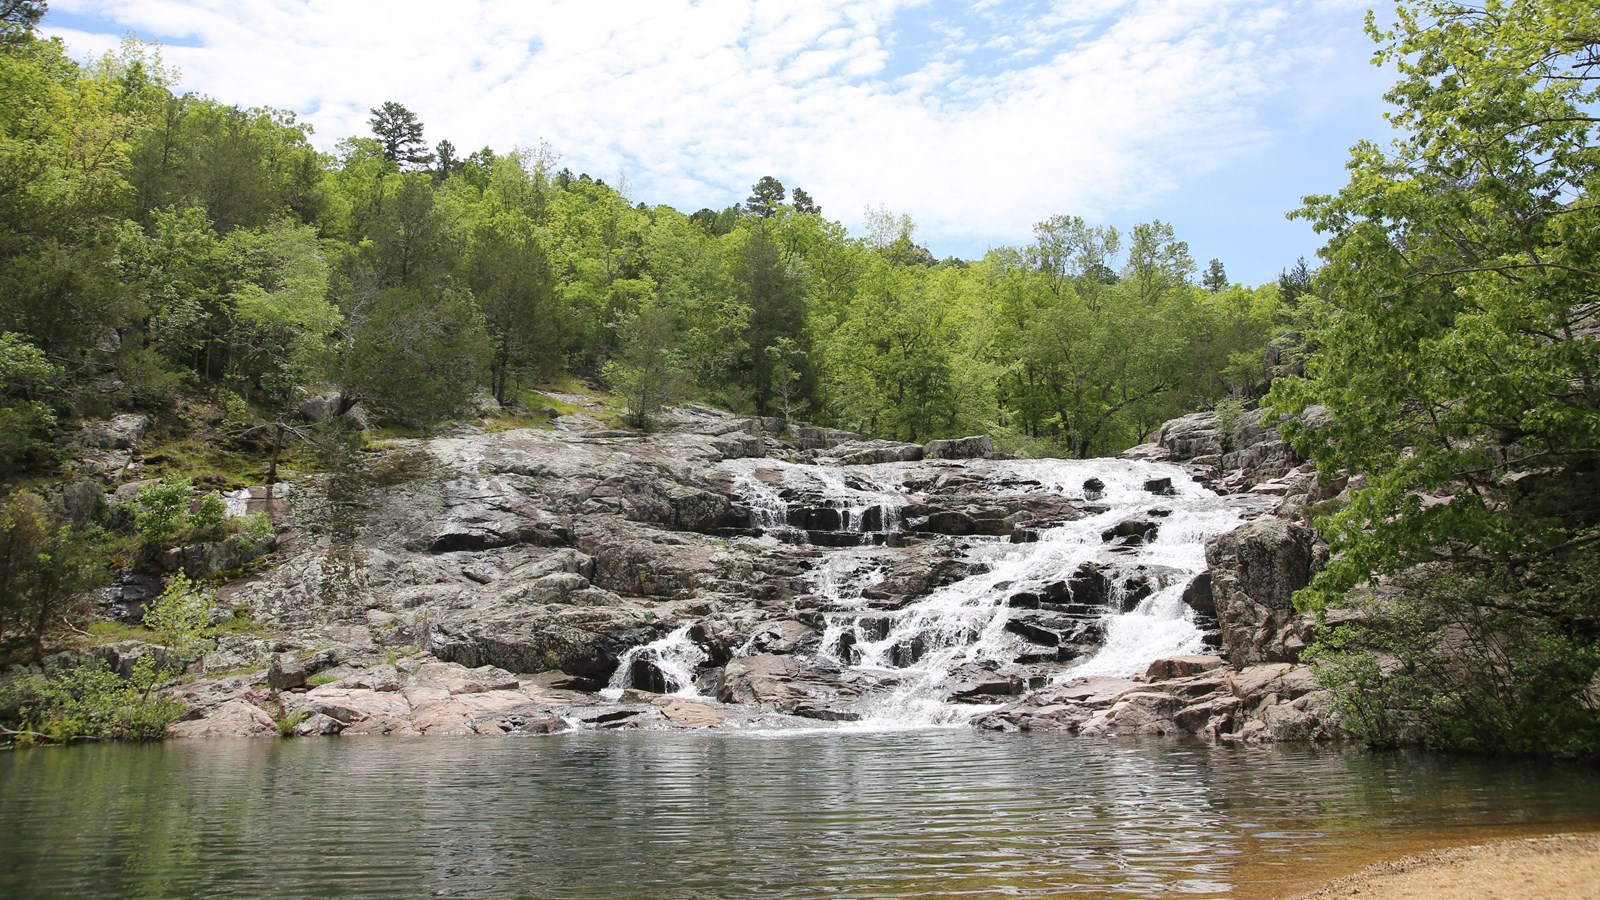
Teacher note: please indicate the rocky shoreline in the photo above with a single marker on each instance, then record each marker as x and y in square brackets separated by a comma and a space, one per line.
[488, 583]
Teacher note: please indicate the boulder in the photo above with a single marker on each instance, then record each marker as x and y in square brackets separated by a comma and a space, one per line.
[975, 447]
[690, 714]
[481, 513]
[125, 599]
[1181, 667]
[783, 683]
[811, 437]
[118, 433]
[866, 453]
[1255, 570]
[583, 632]
[318, 407]
[1131, 532]
[1186, 437]
[1160, 486]
[234, 718]
[216, 557]
[740, 446]
[944, 521]
[287, 672]
[1197, 596]
[81, 500]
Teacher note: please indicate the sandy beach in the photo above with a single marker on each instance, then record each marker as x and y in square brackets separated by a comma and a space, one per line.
[1554, 867]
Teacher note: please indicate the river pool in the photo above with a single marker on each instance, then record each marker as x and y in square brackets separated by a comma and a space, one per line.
[725, 814]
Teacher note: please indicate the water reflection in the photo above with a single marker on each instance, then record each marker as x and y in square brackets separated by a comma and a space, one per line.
[940, 813]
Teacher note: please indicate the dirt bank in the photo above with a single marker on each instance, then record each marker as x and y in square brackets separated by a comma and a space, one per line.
[1556, 867]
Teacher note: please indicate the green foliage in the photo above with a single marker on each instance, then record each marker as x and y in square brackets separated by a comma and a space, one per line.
[415, 357]
[161, 512]
[1450, 333]
[155, 245]
[181, 621]
[162, 518]
[1473, 662]
[509, 271]
[26, 420]
[399, 133]
[648, 372]
[91, 701]
[45, 568]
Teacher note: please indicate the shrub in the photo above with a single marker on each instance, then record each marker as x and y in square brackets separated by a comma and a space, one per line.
[91, 701]
[162, 520]
[181, 621]
[45, 568]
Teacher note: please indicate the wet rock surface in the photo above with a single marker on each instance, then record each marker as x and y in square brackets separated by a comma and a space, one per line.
[730, 572]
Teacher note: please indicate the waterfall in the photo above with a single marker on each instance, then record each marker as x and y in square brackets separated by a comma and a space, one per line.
[769, 512]
[664, 666]
[1100, 595]
[827, 508]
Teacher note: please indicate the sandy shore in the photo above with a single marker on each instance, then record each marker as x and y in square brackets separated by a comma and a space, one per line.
[1557, 867]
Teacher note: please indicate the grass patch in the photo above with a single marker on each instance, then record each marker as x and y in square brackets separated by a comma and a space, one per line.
[241, 626]
[206, 463]
[390, 431]
[513, 421]
[322, 678]
[108, 632]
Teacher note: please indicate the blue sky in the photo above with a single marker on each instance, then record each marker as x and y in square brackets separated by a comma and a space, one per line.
[977, 119]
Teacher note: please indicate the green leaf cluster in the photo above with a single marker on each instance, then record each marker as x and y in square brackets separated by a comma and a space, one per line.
[1453, 337]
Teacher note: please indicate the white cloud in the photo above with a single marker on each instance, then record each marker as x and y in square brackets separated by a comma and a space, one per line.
[1089, 108]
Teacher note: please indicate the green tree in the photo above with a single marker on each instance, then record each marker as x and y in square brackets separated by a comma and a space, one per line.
[447, 162]
[1070, 252]
[27, 420]
[245, 167]
[19, 18]
[775, 296]
[1157, 262]
[413, 356]
[1452, 337]
[408, 243]
[282, 327]
[804, 205]
[647, 372]
[1215, 279]
[399, 134]
[182, 622]
[45, 569]
[64, 139]
[765, 197]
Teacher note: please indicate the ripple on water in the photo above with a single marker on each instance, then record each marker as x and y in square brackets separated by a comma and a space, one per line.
[930, 813]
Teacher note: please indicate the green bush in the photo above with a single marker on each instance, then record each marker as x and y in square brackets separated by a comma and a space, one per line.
[162, 520]
[26, 422]
[91, 701]
[181, 620]
[45, 568]
[1493, 662]
[161, 513]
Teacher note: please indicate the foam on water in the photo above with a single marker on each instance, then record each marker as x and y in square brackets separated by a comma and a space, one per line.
[675, 657]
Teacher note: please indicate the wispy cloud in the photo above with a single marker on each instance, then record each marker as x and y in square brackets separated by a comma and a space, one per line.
[1006, 114]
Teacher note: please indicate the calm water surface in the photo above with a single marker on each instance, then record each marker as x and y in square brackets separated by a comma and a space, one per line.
[932, 813]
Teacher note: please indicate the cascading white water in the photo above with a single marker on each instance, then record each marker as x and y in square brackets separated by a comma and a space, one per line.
[871, 505]
[768, 510]
[963, 626]
[854, 503]
[968, 640]
[674, 657]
